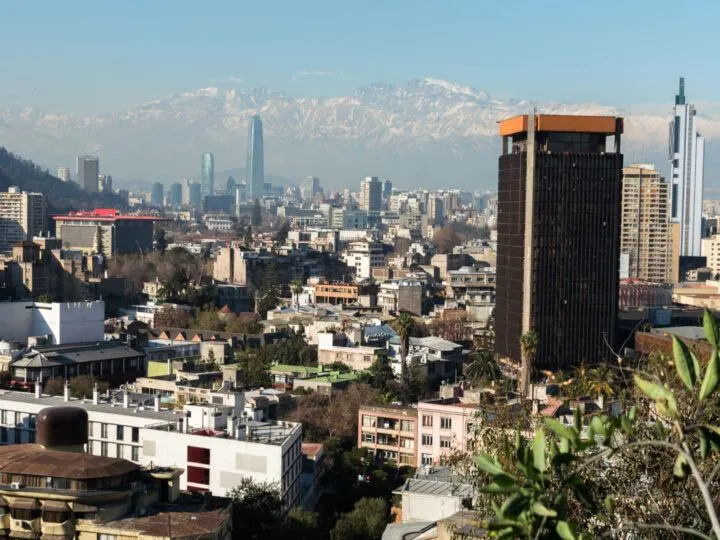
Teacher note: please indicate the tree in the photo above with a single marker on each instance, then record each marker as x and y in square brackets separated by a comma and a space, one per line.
[270, 290]
[380, 374]
[529, 343]
[257, 508]
[650, 472]
[445, 239]
[256, 216]
[46, 298]
[297, 287]
[247, 237]
[256, 368]
[281, 234]
[209, 320]
[99, 244]
[161, 243]
[244, 323]
[367, 521]
[80, 387]
[404, 326]
[451, 327]
[417, 380]
[482, 368]
[172, 317]
[301, 525]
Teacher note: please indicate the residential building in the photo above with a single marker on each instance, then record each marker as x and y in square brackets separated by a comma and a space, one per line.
[63, 173]
[207, 175]
[88, 170]
[687, 162]
[645, 235]
[22, 217]
[433, 494]
[435, 210]
[54, 489]
[157, 198]
[105, 183]
[344, 218]
[439, 358]
[356, 358]
[390, 432]
[371, 194]
[401, 295]
[336, 293]
[469, 281]
[191, 193]
[558, 226]
[363, 257]
[445, 262]
[711, 252]
[255, 168]
[445, 426]
[106, 231]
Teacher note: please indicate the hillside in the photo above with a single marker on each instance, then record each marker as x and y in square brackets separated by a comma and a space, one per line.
[62, 196]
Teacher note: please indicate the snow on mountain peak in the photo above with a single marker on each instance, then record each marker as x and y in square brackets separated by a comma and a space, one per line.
[455, 88]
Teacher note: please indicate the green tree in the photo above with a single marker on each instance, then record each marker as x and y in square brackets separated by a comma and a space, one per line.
[256, 216]
[366, 521]
[380, 374]
[301, 525]
[46, 297]
[281, 234]
[403, 325]
[256, 368]
[482, 368]
[247, 237]
[172, 317]
[417, 380]
[270, 290]
[257, 508]
[161, 242]
[296, 287]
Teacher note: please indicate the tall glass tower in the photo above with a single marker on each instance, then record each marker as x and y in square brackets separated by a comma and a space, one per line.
[207, 174]
[687, 157]
[254, 170]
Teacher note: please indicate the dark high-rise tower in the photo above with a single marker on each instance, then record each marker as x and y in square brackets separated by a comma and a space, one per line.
[254, 170]
[558, 238]
[88, 171]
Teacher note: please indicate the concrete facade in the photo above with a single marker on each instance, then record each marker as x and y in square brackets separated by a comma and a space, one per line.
[63, 322]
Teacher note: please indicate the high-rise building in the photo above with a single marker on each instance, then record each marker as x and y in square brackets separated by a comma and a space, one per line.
[63, 173]
[156, 197]
[207, 174]
[230, 186]
[175, 194]
[387, 189]
[371, 194]
[645, 236]
[310, 187]
[255, 168]
[104, 183]
[22, 216]
[687, 157]
[191, 193]
[558, 239]
[88, 171]
[436, 210]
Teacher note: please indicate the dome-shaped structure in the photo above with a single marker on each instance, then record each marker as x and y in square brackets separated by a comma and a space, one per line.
[63, 426]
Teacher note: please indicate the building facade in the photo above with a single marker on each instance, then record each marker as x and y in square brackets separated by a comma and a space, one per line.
[255, 167]
[389, 432]
[207, 174]
[63, 173]
[558, 237]
[157, 197]
[687, 162]
[645, 235]
[22, 216]
[371, 194]
[88, 171]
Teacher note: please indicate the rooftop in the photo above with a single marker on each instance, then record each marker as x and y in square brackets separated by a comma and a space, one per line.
[432, 342]
[684, 332]
[73, 353]
[105, 214]
[564, 123]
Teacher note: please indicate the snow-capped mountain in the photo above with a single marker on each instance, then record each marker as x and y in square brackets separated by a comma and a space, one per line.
[429, 132]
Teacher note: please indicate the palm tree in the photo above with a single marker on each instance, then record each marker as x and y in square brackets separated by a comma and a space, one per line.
[599, 382]
[529, 343]
[296, 287]
[403, 326]
[482, 368]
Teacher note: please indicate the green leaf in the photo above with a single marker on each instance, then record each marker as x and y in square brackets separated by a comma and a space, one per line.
[702, 435]
[610, 505]
[681, 467]
[664, 398]
[632, 413]
[711, 328]
[539, 450]
[712, 376]
[683, 363]
[564, 530]
[541, 510]
[514, 505]
[560, 429]
[488, 464]
[577, 417]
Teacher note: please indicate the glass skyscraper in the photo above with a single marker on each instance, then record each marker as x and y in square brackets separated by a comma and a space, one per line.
[254, 170]
[207, 174]
[687, 156]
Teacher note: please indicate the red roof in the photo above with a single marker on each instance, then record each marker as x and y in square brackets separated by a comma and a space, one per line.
[105, 214]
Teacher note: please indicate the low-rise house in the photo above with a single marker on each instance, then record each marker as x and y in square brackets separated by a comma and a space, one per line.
[434, 494]
[440, 358]
[356, 358]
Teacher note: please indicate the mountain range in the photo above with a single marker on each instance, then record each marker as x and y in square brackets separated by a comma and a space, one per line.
[429, 132]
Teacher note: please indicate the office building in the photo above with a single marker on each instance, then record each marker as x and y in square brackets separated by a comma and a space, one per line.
[63, 173]
[230, 187]
[435, 210]
[22, 216]
[371, 194]
[387, 190]
[106, 231]
[191, 193]
[88, 171]
[645, 236]
[687, 156]
[310, 187]
[105, 183]
[558, 238]
[157, 195]
[207, 175]
[175, 194]
[255, 167]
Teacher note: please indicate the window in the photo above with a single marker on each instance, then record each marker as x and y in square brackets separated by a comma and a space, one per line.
[198, 475]
[406, 425]
[54, 516]
[119, 433]
[426, 459]
[427, 440]
[445, 423]
[3, 417]
[445, 442]
[135, 434]
[104, 449]
[135, 453]
[196, 454]
[24, 513]
[369, 421]
[368, 437]
[427, 421]
[470, 427]
[103, 431]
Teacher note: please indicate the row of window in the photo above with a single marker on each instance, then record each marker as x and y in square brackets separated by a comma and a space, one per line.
[445, 422]
[102, 430]
[445, 442]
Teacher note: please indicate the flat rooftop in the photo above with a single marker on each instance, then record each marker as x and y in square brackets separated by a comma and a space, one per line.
[562, 123]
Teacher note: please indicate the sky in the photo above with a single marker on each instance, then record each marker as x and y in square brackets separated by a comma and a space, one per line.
[93, 57]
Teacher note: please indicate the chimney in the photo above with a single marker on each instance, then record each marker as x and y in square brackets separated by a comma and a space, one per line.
[248, 430]
[126, 399]
[66, 391]
[38, 389]
[157, 402]
[96, 394]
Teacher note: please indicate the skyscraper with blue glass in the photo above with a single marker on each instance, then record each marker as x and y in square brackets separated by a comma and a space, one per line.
[255, 170]
[207, 174]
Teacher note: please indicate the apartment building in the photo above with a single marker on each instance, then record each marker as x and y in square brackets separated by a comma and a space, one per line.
[22, 216]
[390, 432]
[401, 295]
[445, 426]
[363, 257]
[336, 293]
[356, 358]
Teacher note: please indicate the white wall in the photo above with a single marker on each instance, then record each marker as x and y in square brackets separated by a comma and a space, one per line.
[418, 507]
[65, 322]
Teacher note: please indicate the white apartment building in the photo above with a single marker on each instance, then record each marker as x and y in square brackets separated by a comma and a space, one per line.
[215, 448]
[711, 250]
[363, 257]
[61, 322]
[63, 173]
[22, 217]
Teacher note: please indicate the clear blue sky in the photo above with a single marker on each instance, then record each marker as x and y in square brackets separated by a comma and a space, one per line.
[90, 56]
